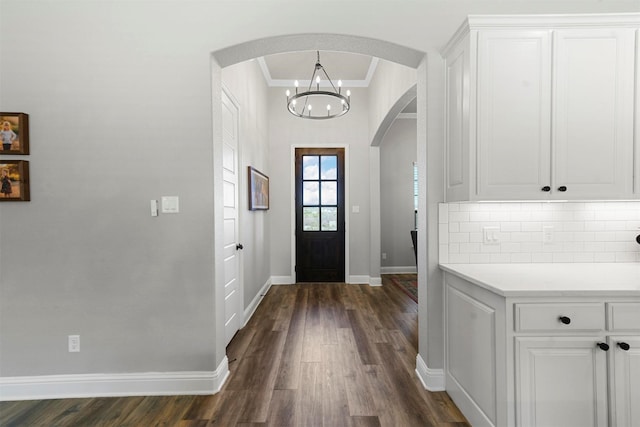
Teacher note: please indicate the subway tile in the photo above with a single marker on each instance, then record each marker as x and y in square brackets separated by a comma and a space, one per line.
[458, 216]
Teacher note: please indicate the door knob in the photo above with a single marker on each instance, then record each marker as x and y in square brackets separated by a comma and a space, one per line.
[603, 346]
[624, 346]
[239, 246]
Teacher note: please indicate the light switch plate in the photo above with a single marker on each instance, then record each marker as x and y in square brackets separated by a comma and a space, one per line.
[154, 207]
[170, 204]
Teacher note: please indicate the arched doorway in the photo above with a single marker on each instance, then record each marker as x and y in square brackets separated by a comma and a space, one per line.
[280, 44]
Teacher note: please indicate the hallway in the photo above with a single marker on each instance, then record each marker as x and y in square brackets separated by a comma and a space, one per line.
[312, 355]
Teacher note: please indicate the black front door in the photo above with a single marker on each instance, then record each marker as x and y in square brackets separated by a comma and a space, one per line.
[320, 215]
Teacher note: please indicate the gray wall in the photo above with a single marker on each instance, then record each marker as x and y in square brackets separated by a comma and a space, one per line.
[246, 83]
[119, 96]
[285, 131]
[397, 154]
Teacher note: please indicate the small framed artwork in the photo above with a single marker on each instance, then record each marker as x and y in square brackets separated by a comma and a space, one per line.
[14, 180]
[258, 190]
[14, 133]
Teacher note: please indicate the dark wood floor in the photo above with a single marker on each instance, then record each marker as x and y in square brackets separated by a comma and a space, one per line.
[312, 355]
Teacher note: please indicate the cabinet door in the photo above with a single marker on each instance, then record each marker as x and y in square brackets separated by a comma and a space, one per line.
[561, 382]
[514, 114]
[457, 123]
[637, 118]
[593, 113]
[625, 381]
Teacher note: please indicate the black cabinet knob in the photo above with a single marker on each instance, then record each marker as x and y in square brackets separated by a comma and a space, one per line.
[624, 346]
[638, 239]
[546, 188]
[562, 188]
[239, 246]
[603, 346]
[564, 319]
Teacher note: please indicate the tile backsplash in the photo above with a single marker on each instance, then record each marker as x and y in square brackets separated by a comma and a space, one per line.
[539, 232]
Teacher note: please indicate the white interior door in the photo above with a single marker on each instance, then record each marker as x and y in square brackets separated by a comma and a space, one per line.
[233, 310]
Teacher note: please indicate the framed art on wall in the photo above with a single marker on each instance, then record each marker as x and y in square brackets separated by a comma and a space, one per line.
[14, 133]
[14, 180]
[258, 190]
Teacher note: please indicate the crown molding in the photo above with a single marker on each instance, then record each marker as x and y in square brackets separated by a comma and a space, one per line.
[271, 82]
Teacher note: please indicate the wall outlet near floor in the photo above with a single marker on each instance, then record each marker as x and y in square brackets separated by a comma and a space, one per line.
[547, 234]
[384, 255]
[74, 343]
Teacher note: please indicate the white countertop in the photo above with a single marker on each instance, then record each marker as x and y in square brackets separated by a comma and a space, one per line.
[562, 279]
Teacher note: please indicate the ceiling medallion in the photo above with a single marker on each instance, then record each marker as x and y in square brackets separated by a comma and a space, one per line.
[301, 103]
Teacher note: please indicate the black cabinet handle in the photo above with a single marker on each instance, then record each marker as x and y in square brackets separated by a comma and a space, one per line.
[638, 239]
[239, 246]
[546, 188]
[564, 319]
[603, 346]
[562, 188]
[624, 346]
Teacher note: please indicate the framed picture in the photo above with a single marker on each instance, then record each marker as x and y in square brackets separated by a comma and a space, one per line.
[14, 133]
[258, 190]
[14, 180]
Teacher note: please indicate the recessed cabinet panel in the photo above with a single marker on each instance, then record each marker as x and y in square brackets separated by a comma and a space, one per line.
[471, 331]
[625, 389]
[623, 316]
[559, 317]
[637, 118]
[457, 126]
[561, 383]
[593, 122]
[514, 113]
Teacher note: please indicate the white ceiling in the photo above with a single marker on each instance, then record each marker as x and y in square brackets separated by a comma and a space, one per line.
[283, 69]
[354, 70]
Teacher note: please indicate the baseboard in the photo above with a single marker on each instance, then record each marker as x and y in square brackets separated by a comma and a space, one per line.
[113, 385]
[375, 281]
[248, 312]
[282, 280]
[399, 270]
[358, 280]
[432, 379]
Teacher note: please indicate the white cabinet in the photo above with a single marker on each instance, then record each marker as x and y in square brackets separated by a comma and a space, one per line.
[593, 112]
[625, 376]
[540, 110]
[548, 361]
[561, 382]
[637, 119]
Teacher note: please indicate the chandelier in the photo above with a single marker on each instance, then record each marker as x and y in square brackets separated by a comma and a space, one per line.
[328, 103]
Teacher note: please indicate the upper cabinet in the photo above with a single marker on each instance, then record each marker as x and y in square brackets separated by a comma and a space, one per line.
[541, 108]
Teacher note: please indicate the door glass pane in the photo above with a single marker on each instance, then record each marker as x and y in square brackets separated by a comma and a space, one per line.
[310, 193]
[329, 167]
[329, 193]
[329, 219]
[310, 167]
[311, 219]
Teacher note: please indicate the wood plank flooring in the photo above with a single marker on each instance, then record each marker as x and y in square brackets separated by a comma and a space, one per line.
[312, 355]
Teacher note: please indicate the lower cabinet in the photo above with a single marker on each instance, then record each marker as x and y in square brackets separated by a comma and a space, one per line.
[542, 360]
[561, 382]
[625, 380]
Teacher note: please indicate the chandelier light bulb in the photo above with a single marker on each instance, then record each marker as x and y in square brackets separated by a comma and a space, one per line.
[296, 84]
[328, 107]
[339, 83]
[348, 93]
[288, 93]
[309, 107]
[317, 79]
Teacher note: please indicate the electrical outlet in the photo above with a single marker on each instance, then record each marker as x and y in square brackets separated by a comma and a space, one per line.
[74, 343]
[547, 234]
[384, 255]
[490, 235]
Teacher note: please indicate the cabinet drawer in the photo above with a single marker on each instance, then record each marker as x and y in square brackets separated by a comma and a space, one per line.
[623, 316]
[559, 317]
